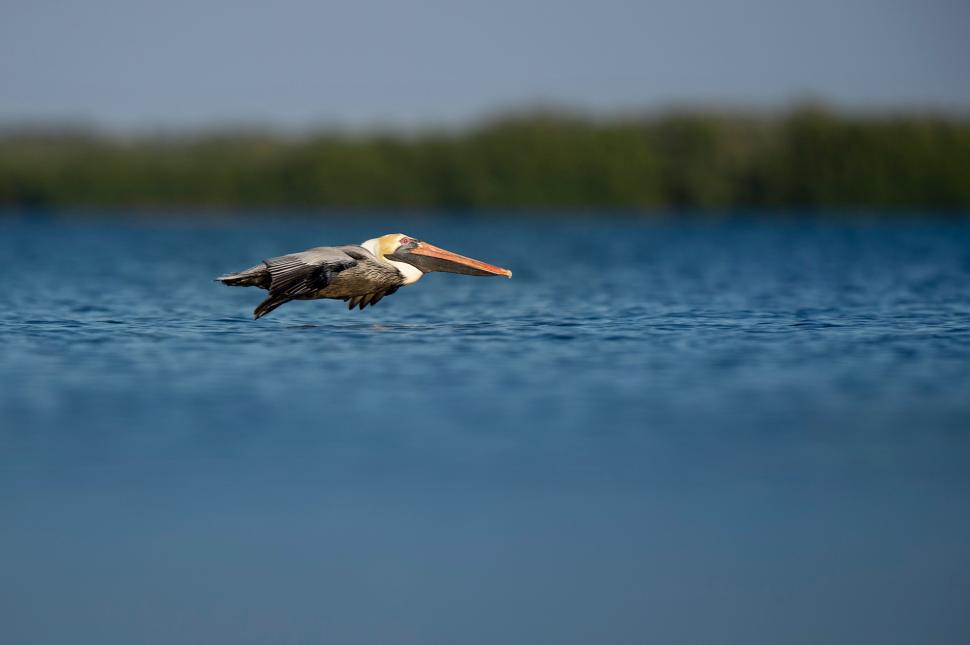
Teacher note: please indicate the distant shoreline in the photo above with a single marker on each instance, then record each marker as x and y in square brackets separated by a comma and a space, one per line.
[808, 159]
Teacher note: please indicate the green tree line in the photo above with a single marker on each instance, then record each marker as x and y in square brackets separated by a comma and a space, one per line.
[808, 158]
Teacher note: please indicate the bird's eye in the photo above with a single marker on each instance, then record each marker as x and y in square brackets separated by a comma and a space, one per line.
[405, 240]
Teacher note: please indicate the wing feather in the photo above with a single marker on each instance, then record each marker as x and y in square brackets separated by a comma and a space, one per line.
[302, 274]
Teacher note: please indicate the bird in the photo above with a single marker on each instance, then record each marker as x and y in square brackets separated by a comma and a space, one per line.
[360, 274]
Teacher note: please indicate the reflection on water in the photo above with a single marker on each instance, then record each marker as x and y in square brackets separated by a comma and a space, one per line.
[741, 431]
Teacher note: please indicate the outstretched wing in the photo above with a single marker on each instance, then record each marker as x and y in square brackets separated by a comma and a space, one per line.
[302, 274]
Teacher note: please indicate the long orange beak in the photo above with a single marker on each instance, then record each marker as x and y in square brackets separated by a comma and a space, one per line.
[442, 260]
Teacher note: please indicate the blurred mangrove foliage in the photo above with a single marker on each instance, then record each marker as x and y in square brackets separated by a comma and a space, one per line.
[808, 158]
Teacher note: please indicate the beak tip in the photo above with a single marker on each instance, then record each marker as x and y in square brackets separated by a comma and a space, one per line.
[508, 274]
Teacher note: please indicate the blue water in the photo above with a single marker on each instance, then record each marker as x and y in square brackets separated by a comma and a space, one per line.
[741, 430]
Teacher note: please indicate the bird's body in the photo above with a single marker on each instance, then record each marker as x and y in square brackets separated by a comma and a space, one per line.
[359, 274]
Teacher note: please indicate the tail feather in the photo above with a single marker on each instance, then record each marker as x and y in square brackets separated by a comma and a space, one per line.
[257, 276]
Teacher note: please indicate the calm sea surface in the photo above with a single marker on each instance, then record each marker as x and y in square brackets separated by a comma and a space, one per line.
[666, 431]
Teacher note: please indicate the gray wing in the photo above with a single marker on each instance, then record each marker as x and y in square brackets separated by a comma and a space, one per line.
[303, 274]
[300, 274]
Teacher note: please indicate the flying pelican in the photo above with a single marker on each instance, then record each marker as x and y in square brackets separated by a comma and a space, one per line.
[360, 275]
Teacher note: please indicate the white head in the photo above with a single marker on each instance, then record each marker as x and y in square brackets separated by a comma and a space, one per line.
[413, 258]
[387, 245]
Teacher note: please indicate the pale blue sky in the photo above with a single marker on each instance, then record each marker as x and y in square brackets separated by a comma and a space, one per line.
[124, 63]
